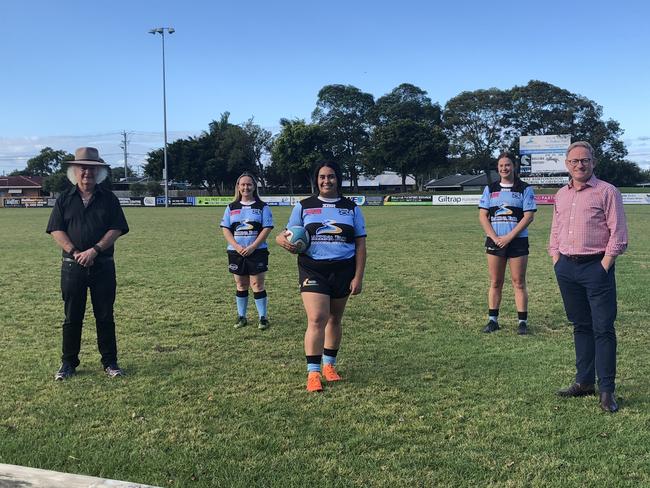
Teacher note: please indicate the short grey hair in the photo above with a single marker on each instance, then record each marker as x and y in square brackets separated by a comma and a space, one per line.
[101, 175]
[584, 144]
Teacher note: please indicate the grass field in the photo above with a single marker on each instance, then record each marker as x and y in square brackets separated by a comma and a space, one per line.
[428, 400]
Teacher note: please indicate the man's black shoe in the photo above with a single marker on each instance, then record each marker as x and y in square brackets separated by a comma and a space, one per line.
[522, 329]
[491, 327]
[64, 372]
[577, 390]
[608, 402]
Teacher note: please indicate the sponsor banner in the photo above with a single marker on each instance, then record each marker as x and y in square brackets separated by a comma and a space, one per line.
[282, 201]
[131, 201]
[407, 200]
[13, 203]
[545, 180]
[544, 199]
[358, 199]
[174, 201]
[456, 200]
[636, 198]
[543, 154]
[374, 201]
[34, 202]
[211, 201]
[149, 201]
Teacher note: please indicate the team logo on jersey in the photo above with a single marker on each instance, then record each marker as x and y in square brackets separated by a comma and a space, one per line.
[244, 225]
[329, 228]
[233, 267]
[503, 210]
[235, 212]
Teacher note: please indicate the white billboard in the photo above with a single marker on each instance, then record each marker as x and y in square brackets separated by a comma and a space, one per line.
[456, 200]
[543, 154]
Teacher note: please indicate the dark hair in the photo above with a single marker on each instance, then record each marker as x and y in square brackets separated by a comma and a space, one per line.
[514, 160]
[256, 195]
[337, 172]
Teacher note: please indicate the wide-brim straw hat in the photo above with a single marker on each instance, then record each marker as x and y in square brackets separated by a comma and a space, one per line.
[88, 156]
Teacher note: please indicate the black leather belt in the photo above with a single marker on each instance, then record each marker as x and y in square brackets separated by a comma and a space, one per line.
[584, 258]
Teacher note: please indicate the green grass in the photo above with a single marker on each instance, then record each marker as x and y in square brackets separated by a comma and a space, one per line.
[428, 399]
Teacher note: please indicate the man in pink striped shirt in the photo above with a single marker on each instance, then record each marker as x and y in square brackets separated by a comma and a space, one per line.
[588, 233]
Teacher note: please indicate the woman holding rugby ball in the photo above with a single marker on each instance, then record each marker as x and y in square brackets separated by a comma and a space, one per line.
[246, 224]
[329, 270]
[506, 209]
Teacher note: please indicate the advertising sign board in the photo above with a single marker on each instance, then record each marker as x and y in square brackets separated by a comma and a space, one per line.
[543, 154]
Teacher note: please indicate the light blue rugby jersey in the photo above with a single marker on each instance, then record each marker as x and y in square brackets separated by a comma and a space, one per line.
[506, 205]
[247, 221]
[332, 227]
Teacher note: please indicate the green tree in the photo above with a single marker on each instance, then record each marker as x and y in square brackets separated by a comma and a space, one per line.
[296, 149]
[261, 141]
[46, 163]
[618, 173]
[137, 189]
[213, 160]
[540, 108]
[57, 182]
[153, 188]
[343, 111]
[117, 173]
[477, 126]
[408, 136]
[409, 148]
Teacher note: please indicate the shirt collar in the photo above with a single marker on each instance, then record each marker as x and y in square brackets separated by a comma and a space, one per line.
[593, 181]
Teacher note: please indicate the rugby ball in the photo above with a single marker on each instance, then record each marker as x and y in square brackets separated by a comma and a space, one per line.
[299, 237]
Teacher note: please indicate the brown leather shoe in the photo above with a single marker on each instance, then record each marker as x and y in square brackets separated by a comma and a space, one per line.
[577, 390]
[608, 402]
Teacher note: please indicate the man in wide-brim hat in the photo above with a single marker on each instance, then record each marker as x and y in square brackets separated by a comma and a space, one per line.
[85, 222]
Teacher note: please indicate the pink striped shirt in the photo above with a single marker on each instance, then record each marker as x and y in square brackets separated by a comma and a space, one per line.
[588, 221]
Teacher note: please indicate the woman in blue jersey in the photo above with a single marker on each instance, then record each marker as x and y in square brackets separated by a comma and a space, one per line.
[330, 270]
[506, 209]
[246, 224]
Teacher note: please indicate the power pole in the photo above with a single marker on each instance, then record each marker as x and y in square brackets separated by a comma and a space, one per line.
[124, 145]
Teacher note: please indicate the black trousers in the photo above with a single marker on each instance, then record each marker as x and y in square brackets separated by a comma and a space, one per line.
[75, 282]
[589, 295]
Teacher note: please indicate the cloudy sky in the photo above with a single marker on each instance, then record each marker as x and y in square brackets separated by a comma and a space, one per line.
[80, 73]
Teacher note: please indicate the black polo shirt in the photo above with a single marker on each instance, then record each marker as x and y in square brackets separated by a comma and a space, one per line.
[85, 226]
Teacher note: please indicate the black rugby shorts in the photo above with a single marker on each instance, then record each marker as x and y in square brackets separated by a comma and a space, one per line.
[255, 263]
[517, 247]
[328, 277]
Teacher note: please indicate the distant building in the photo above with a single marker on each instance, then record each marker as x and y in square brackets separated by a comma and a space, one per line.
[461, 182]
[388, 181]
[21, 186]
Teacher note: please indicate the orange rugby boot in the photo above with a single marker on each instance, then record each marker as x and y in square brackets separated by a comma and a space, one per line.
[313, 381]
[330, 374]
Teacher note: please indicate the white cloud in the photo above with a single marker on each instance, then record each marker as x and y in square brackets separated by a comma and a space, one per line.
[14, 152]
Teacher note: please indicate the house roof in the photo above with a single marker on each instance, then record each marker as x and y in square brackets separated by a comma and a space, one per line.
[459, 181]
[21, 181]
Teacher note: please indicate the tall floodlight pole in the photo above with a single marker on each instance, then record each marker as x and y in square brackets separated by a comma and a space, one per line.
[161, 31]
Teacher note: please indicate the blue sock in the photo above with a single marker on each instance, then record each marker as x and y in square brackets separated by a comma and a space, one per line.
[242, 302]
[329, 356]
[313, 363]
[261, 301]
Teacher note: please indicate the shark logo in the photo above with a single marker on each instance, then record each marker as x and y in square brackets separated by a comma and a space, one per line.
[329, 228]
[244, 225]
[503, 210]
